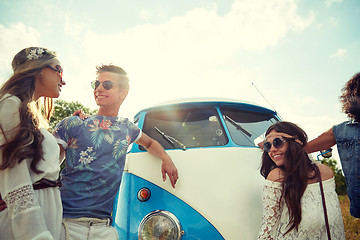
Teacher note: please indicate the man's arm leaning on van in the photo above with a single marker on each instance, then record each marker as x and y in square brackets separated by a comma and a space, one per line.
[167, 166]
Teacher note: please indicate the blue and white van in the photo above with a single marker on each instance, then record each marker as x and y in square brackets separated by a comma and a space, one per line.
[218, 195]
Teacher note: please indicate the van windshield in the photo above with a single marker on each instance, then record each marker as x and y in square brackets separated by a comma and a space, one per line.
[185, 128]
[246, 128]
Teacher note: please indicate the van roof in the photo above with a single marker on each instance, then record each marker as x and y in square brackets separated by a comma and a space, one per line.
[197, 102]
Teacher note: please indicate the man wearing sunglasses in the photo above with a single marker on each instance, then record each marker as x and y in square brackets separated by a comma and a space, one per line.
[346, 136]
[95, 155]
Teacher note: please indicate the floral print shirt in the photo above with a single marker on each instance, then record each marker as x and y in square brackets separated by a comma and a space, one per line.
[95, 156]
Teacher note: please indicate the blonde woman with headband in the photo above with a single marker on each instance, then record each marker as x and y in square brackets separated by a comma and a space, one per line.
[292, 199]
[30, 204]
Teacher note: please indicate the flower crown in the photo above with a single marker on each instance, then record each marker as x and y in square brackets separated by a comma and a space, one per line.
[37, 53]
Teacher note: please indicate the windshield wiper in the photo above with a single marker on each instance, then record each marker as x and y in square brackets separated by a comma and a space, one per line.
[170, 139]
[238, 126]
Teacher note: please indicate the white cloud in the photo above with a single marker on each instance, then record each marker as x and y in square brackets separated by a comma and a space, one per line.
[305, 100]
[75, 29]
[202, 36]
[172, 55]
[330, 2]
[334, 21]
[340, 53]
[258, 24]
[13, 39]
[144, 14]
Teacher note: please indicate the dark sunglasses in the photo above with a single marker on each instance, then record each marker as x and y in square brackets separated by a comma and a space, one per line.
[277, 143]
[57, 69]
[106, 84]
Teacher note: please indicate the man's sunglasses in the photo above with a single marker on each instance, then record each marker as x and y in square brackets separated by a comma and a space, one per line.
[57, 69]
[106, 84]
[277, 143]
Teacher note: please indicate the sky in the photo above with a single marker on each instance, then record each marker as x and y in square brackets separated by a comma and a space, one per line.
[293, 56]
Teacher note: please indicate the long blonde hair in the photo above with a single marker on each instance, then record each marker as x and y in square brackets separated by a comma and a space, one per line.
[27, 140]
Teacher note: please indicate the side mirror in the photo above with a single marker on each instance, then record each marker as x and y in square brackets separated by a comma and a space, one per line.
[326, 153]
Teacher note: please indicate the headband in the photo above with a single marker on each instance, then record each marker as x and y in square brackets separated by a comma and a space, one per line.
[37, 53]
[277, 134]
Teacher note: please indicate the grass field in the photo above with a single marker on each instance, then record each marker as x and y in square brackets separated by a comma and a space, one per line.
[351, 224]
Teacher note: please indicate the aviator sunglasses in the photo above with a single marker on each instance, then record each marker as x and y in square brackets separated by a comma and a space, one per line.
[57, 69]
[277, 143]
[106, 84]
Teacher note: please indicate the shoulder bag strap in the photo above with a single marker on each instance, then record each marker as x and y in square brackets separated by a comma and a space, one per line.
[323, 202]
[2, 204]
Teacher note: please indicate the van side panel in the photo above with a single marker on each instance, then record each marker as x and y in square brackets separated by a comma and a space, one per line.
[223, 184]
[130, 211]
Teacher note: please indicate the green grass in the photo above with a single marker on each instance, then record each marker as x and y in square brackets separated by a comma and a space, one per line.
[351, 224]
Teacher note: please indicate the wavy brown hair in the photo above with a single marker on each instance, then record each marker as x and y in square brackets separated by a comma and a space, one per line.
[297, 168]
[350, 98]
[25, 140]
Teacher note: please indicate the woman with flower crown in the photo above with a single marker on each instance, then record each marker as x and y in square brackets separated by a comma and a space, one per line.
[30, 204]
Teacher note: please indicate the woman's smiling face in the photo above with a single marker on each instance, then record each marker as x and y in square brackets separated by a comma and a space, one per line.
[277, 154]
[49, 82]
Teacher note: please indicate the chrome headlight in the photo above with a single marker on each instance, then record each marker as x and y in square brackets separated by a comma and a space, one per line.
[160, 225]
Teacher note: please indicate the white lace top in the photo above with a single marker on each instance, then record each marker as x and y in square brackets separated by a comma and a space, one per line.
[312, 226]
[29, 214]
